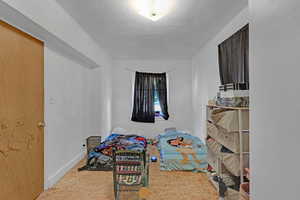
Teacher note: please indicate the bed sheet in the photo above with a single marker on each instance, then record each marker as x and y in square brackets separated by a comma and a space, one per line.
[181, 151]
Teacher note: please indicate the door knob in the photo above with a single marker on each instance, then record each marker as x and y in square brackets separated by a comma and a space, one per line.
[41, 124]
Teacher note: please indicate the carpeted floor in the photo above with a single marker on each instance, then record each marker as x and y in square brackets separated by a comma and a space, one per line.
[163, 185]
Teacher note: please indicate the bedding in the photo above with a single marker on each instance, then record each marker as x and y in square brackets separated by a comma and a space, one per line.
[101, 156]
[181, 151]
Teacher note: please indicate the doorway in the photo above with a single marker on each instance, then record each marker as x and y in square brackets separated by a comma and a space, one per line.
[21, 114]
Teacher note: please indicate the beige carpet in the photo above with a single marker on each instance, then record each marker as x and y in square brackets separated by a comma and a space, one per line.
[163, 185]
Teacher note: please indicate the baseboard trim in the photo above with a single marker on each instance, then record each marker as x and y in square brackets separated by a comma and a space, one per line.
[53, 179]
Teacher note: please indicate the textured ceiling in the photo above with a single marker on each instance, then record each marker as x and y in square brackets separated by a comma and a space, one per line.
[116, 27]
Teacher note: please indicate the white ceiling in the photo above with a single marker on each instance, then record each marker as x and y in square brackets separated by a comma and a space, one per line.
[116, 27]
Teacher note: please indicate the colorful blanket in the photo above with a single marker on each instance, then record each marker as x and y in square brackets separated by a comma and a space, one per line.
[101, 157]
[181, 151]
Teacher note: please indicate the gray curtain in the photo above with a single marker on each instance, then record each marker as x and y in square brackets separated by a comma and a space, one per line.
[234, 58]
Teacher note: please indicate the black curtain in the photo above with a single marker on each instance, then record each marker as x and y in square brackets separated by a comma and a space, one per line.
[161, 87]
[234, 58]
[144, 88]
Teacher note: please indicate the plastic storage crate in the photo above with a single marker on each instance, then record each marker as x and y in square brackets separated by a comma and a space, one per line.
[130, 173]
[92, 142]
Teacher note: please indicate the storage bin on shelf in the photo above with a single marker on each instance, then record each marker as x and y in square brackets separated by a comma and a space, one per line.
[231, 161]
[244, 191]
[230, 140]
[229, 119]
[228, 178]
[212, 160]
[231, 194]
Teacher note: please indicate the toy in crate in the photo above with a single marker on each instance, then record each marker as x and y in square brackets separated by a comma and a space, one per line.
[130, 172]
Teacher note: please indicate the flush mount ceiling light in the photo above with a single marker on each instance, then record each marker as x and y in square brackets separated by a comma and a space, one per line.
[152, 9]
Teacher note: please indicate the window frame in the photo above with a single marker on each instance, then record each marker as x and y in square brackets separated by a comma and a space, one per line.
[159, 118]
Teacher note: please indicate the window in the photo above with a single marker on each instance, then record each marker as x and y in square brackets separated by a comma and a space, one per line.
[157, 107]
[150, 97]
[234, 58]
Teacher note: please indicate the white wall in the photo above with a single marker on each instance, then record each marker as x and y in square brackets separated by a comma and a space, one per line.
[75, 107]
[274, 77]
[106, 101]
[99, 96]
[74, 101]
[69, 113]
[206, 79]
[180, 95]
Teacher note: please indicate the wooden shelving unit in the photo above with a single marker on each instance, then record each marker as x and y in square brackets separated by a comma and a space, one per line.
[242, 111]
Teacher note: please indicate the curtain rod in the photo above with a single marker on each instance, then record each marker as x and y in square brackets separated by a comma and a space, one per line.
[169, 71]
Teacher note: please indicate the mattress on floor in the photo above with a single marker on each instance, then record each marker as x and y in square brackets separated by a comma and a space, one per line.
[167, 135]
[230, 140]
[229, 119]
[175, 161]
[191, 142]
[190, 155]
[178, 165]
[231, 161]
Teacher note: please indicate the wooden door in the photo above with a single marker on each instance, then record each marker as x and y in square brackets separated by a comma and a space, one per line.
[21, 115]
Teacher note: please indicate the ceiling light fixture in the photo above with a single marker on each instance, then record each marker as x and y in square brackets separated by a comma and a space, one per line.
[152, 9]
